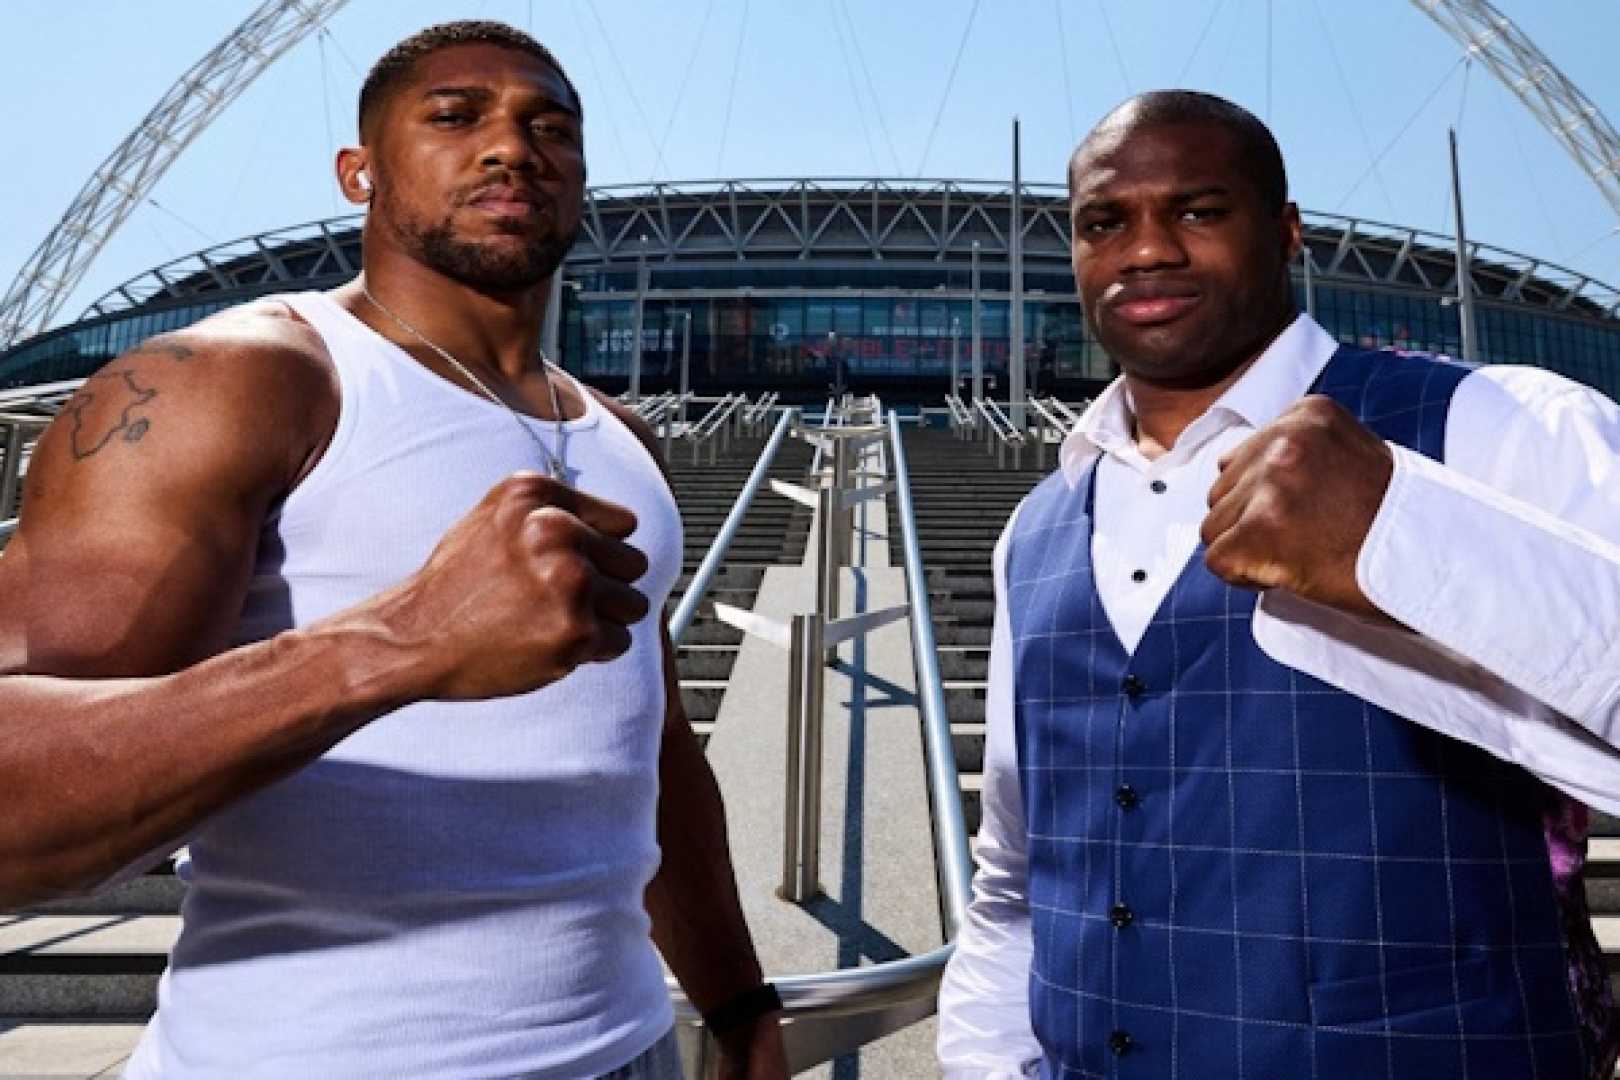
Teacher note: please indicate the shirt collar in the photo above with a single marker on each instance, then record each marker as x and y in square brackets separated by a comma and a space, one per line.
[1282, 375]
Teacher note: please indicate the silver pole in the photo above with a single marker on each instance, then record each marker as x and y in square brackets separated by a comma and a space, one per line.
[641, 306]
[686, 364]
[551, 328]
[1465, 291]
[953, 861]
[956, 333]
[801, 839]
[978, 340]
[1015, 293]
[687, 610]
[11, 470]
[827, 554]
[1310, 282]
[843, 516]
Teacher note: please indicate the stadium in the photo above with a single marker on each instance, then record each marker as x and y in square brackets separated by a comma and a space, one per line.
[790, 284]
[856, 380]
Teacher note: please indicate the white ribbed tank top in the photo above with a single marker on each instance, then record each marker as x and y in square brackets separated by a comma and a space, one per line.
[455, 890]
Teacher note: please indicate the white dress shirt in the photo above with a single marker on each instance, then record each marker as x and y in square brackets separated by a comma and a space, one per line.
[1505, 560]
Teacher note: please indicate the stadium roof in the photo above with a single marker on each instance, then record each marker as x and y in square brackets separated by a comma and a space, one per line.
[857, 218]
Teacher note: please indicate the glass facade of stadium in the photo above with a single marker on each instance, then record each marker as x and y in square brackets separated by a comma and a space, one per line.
[785, 283]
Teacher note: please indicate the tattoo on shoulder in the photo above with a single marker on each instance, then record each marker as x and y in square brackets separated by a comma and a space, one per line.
[120, 393]
[163, 345]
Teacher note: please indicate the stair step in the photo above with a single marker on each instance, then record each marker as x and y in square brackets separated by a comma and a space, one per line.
[46, 1050]
[83, 967]
[149, 894]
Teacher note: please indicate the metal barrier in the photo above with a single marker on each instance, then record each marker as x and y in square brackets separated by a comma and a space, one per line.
[651, 408]
[999, 433]
[24, 413]
[952, 857]
[835, 1012]
[962, 422]
[755, 414]
[1062, 407]
[1047, 419]
[715, 427]
[687, 609]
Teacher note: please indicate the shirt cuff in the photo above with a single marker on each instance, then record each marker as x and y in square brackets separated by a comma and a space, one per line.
[1524, 595]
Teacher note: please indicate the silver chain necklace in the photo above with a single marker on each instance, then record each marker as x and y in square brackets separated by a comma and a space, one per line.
[556, 468]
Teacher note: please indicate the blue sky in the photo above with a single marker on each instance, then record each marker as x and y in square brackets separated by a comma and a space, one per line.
[776, 88]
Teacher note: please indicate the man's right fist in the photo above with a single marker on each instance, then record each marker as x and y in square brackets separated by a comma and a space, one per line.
[533, 582]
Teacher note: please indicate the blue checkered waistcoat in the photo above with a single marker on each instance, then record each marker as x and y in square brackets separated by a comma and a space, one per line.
[1236, 870]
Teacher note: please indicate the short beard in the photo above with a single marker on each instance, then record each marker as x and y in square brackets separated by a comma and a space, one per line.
[483, 268]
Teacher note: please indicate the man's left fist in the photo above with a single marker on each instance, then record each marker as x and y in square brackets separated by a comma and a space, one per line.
[1293, 505]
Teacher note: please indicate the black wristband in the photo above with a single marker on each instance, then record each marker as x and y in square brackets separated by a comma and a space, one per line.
[742, 1010]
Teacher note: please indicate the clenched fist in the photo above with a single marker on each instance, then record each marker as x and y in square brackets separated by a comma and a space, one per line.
[1294, 503]
[532, 583]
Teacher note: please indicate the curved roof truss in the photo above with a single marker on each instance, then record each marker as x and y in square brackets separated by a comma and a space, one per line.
[1572, 117]
[853, 218]
[122, 181]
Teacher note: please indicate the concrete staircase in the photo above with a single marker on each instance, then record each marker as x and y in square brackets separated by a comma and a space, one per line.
[78, 978]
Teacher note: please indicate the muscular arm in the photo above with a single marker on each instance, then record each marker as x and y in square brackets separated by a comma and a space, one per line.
[144, 502]
[697, 917]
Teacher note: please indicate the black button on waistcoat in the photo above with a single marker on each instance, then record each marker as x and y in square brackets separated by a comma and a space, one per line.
[1121, 916]
[1126, 797]
[1120, 1042]
[1133, 686]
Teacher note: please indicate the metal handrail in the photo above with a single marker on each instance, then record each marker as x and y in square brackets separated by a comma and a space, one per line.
[698, 425]
[1060, 424]
[831, 1013]
[653, 409]
[716, 417]
[686, 610]
[961, 415]
[1046, 417]
[999, 433]
[1063, 407]
[752, 414]
[999, 422]
[39, 391]
[826, 422]
[953, 859]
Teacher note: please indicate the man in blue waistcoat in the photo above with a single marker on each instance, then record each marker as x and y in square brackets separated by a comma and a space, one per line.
[1305, 671]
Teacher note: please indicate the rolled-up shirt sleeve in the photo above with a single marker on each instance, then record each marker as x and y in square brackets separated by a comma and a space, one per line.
[1505, 560]
[1530, 594]
[984, 1025]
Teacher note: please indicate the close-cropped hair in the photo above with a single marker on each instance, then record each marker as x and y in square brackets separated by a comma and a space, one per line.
[1256, 148]
[394, 66]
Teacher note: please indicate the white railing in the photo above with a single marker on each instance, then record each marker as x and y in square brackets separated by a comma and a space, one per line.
[999, 433]
[715, 427]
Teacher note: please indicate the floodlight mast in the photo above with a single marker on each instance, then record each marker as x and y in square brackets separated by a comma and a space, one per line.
[122, 182]
[1569, 115]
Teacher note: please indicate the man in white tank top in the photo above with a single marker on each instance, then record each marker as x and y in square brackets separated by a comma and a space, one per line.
[352, 596]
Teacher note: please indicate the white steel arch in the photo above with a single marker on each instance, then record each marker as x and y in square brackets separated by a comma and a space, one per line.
[122, 181]
[1572, 117]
